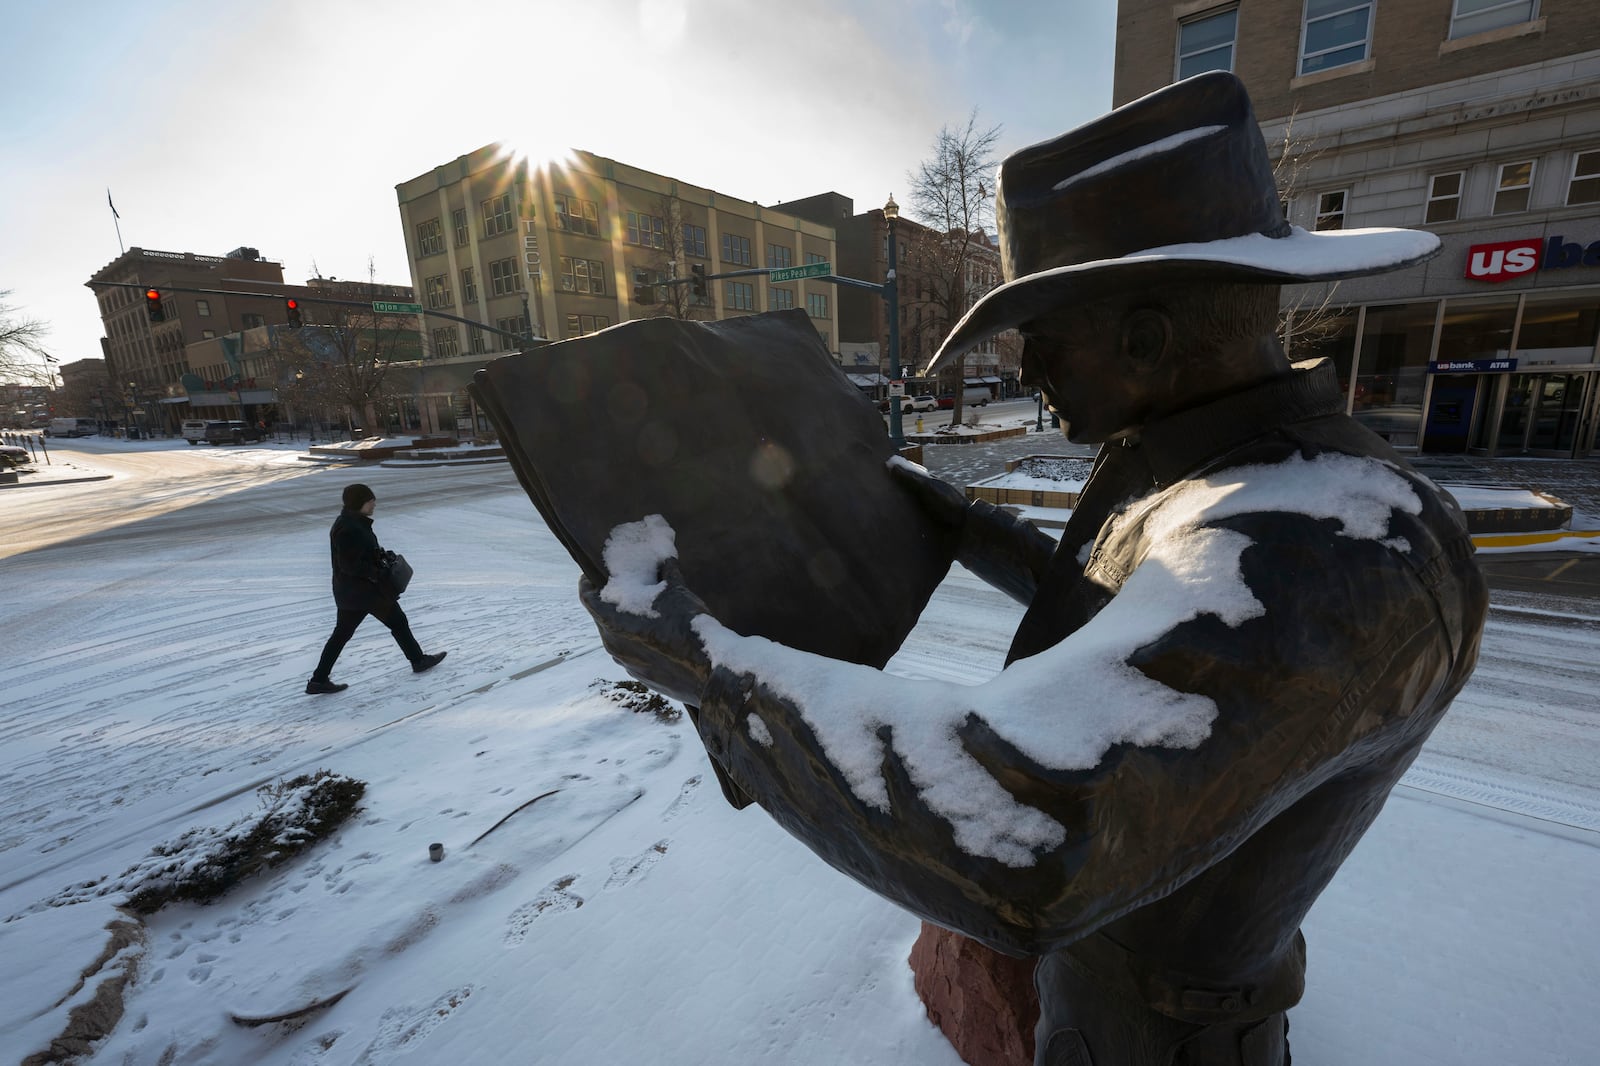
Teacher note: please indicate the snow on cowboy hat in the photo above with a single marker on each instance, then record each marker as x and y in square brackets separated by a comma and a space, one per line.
[1174, 186]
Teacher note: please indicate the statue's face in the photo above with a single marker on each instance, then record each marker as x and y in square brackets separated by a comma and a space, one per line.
[1072, 357]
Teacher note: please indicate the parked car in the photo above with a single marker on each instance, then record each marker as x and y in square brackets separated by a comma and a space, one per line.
[11, 456]
[194, 430]
[946, 402]
[924, 403]
[905, 404]
[232, 432]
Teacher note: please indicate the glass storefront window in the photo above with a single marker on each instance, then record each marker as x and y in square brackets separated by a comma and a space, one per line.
[1393, 370]
[1558, 329]
[1477, 328]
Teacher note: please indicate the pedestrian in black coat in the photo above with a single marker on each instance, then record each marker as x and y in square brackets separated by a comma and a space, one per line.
[359, 563]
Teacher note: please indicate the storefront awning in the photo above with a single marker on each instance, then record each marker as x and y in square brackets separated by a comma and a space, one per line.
[868, 380]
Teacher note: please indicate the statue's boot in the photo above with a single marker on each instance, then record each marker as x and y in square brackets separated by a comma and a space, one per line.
[1099, 1019]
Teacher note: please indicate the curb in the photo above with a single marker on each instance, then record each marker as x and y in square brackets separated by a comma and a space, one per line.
[55, 481]
[1523, 540]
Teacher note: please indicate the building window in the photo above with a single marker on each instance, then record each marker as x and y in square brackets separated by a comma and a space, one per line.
[498, 216]
[1444, 197]
[780, 299]
[445, 343]
[577, 216]
[1585, 185]
[203, 307]
[1477, 16]
[741, 296]
[1330, 209]
[647, 231]
[814, 257]
[694, 240]
[469, 287]
[475, 341]
[816, 305]
[1513, 186]
[583, 275]
[1335, 32]
[430, 237]
[583, 325]
[505, 276]
[248, 321]
[458, 219]
[735, 249]
[779, 256]
[517, 324]
[1206, 42]
[437, 291]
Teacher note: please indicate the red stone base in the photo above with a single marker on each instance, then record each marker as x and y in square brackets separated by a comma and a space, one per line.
[981, 1000]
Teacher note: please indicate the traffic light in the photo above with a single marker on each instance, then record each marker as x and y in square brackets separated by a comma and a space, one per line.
[152, 305]
[643, 291]
[697, 281]
[291, 307]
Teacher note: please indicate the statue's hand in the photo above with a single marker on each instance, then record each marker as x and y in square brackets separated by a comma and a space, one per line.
[940, 500]
[662, 651]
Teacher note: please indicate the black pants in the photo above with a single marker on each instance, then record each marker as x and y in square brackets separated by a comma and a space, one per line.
[387, 612]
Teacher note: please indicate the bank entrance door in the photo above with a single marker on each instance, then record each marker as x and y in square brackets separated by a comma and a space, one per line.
[1546, 414]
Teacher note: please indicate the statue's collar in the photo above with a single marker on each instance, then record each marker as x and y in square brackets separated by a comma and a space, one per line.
[1180, 443]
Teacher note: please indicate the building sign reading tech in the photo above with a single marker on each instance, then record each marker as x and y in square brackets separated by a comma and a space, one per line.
[1507, 260]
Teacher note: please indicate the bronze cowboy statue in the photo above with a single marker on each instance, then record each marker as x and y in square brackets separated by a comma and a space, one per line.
[1252, 622]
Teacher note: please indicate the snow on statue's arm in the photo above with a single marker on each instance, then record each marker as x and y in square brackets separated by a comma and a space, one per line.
[1035, 806]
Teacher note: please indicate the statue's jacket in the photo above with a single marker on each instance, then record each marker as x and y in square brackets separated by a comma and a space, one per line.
[1183, 870]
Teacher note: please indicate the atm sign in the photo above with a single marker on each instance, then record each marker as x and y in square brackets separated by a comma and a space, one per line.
[1505, 260]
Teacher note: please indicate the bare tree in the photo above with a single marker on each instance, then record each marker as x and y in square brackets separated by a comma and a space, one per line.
[951, 196]
[344, 360]
[1309, 319]
[23, 356]
[664, 259]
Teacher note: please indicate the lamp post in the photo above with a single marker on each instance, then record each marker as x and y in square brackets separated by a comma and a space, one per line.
[891, 292]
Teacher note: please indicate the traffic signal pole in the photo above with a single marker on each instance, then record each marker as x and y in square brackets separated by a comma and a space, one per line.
[364, 304]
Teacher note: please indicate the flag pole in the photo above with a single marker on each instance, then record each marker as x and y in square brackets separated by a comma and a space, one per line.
[116, 221]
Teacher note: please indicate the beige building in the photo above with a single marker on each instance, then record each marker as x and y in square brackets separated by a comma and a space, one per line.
[1477, 120]
[570, 247]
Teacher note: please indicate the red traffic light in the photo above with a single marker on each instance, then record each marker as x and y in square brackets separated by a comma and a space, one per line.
[291, 308]
[152, 305]
[152, 294]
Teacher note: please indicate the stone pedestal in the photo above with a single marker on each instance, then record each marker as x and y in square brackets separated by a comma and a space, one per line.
[983, 1001]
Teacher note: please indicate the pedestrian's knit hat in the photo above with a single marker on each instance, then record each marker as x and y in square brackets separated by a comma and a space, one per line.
[356, 496]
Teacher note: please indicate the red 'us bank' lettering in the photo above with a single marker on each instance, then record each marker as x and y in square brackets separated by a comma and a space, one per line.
[1505, 260]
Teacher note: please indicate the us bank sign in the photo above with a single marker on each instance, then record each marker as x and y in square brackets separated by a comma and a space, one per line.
[1506, 260]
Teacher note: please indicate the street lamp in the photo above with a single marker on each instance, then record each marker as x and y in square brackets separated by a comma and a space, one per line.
[891, 292]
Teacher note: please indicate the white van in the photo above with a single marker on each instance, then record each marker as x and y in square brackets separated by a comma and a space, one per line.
[71, 427]
[194, 430]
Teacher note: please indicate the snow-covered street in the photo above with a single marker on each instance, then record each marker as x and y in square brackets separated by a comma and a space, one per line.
[161, 625]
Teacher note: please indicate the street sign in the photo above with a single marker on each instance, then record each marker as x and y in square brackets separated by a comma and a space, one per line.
[810, 270]
[383, 308]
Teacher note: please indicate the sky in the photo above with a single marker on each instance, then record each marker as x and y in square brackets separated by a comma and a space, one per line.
[286, 127]
[630, 915]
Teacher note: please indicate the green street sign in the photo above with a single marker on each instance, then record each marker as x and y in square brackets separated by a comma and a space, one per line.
[383, 308]
[810, 270]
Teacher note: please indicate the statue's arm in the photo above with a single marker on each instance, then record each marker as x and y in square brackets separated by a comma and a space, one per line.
[1007, 552]
[978, 809]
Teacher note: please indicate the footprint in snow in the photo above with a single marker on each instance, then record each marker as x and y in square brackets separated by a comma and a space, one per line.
[625, 872]
[554, 898]
[680, 803]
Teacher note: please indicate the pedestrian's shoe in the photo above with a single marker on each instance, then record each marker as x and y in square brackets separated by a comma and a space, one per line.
[317, 688]
[428, 662]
